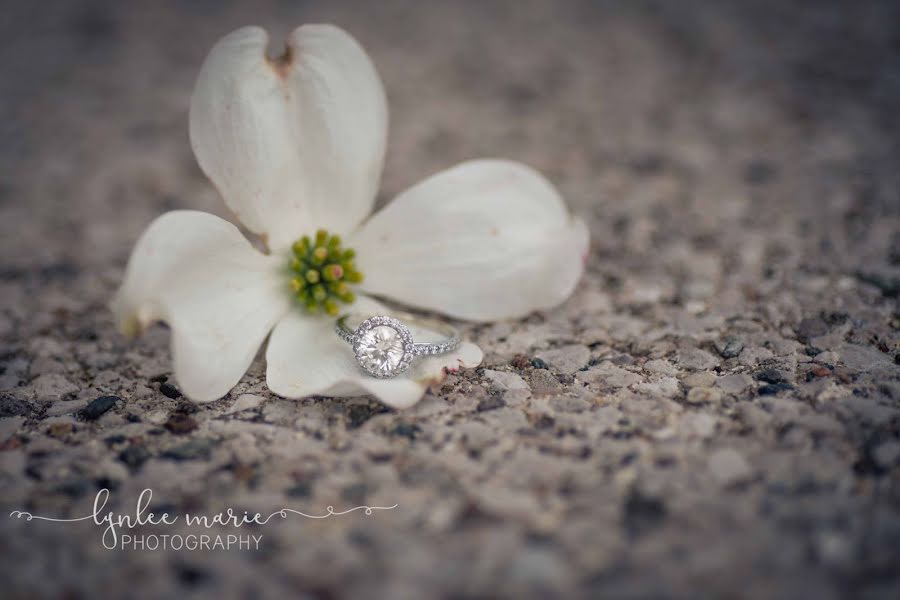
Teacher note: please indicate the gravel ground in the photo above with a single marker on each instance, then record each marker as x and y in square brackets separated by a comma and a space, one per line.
[714, 413]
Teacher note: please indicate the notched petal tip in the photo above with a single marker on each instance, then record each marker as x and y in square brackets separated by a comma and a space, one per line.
[310, 124]
[126, 316]
[219, 296]
[281, 64]
[131, 327]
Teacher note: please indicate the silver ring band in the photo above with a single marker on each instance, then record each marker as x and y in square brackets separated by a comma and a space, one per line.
[383, 344]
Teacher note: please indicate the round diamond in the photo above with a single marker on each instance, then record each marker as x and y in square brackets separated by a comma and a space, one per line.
[380, 350]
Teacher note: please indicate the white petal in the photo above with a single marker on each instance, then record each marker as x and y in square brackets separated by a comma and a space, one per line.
[306, 358]
[485, 240]
[219, 295]
[294, 141]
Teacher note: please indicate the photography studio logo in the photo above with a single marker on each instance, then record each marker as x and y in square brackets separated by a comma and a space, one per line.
[128, 531]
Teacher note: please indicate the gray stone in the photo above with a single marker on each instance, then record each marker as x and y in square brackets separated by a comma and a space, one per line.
[10, 406]
[10, 425]
[65, 407]
[543, 381]
[865, 358]
[570, 404]
[810, 328]
[194, 449]
[476, 436]
[735, 383]
[703, 395]
[53, 386]
[695, 359]
[700, 379]
[730, 347]
[699, 424]
[502, 381]
[607, 374]
[244, 402]
[660, 366]
[887, 455]
[665, 387]
[566, 359]
[538, 570]
[98, 407]
[729, 467]
[751, 356]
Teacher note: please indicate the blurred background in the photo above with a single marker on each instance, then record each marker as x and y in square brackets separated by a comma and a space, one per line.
[737, 163]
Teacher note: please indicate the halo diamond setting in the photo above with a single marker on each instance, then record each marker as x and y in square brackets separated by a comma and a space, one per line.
[383, 346]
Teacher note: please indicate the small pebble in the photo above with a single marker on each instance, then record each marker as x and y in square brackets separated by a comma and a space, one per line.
[180, 423]
[542, 381]
[169, 390]
[566, 359]
[700, 379]
[59, 430]
[844, 375]
[492, 402]
[699, 424]
[695, 359]
[758, 172]
[730, 347]
[887, 454]
[244, 402]
[302, 489]
[520, 361]
[134, 456]
[770, 389]
[360, 413]
[191, 450]
[187, 407]
[96, 408]
[538, 363]
[541, 421]
[10, 406]
[75, 487]
[9, 426]
[114, 440]
[811, 327]
[704, 395]
[771, 376]
[407, 430]
[729, 467]
[817, 372]
[502, 381]
[642, 513]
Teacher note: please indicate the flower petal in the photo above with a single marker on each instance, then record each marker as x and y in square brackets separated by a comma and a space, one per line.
[306, 358]
[292, 141]
[219, 295]
[485, 240]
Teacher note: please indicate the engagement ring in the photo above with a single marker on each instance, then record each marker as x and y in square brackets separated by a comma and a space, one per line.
[384, 346]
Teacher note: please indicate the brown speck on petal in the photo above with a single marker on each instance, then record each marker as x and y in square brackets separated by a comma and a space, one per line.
[281, 64]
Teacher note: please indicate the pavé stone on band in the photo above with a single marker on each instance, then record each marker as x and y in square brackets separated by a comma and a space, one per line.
[383, 345]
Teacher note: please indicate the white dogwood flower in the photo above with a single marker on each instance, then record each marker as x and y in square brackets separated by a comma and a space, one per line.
[295, 146]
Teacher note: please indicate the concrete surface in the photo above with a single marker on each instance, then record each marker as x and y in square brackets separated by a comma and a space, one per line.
[715, 412]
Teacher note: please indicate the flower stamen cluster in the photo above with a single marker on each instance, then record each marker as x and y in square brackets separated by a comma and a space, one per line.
[322, 271]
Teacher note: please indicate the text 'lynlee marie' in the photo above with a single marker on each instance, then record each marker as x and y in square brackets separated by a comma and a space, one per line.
[116, 524]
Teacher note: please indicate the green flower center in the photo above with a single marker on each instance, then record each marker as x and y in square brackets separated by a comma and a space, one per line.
[322, 270]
